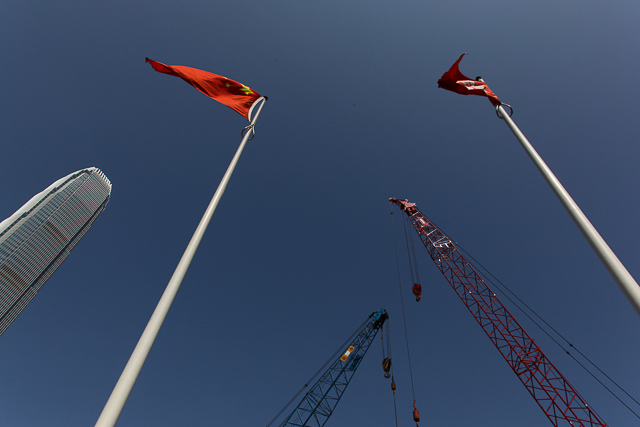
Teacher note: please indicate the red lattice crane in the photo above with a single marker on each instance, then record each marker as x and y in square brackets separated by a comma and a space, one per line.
[553, 393]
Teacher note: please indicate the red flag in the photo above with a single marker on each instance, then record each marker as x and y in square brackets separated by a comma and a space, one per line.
[229, 92]
[457, 82]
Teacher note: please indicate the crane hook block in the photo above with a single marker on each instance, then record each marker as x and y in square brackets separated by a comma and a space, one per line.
[417, 291]
[416, 415]
[386, 365]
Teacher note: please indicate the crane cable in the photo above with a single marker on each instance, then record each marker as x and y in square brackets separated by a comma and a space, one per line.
[546, 332]
[503, 289]
[331, 359]
[413, 261]
[386, 352]
[406, 335]
[411, 253]
[387, 365]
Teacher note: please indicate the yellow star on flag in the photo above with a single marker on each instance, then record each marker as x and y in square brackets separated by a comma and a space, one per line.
[246, 90]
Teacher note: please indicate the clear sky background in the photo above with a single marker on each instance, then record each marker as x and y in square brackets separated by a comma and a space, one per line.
[301, 248]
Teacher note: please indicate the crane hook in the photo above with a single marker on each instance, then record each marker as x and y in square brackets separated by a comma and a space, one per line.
[417, 290]
[416, 415]
[386, 365]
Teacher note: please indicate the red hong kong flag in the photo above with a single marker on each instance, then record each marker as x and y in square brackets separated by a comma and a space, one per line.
[457, 82]
[229, 92]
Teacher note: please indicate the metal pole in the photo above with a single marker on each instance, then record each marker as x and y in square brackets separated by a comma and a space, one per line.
[121, 391]
[625, 281]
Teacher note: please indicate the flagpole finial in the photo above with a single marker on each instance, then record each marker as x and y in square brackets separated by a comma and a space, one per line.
[250, 128]
[255, 103]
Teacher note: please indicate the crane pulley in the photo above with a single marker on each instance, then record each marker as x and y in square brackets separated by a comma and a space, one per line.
[553, 393]
[417, 290]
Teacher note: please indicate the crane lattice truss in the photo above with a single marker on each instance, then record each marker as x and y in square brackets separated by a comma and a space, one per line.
[320, 401]
[553, 393]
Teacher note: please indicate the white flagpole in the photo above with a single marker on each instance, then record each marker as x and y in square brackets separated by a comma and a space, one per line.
[622, 277]
[121, 391]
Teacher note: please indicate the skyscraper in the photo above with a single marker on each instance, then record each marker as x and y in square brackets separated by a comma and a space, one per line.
[36, 239]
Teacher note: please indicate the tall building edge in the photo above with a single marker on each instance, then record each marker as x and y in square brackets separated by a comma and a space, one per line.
[39, 236]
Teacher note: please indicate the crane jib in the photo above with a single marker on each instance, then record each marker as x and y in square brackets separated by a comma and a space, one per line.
[551, 391]
[318, 403]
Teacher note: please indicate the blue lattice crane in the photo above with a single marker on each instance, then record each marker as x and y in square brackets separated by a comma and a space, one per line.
[318, 403]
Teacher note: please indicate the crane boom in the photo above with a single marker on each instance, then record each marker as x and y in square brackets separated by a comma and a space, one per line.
[553, 393]
[318, 404]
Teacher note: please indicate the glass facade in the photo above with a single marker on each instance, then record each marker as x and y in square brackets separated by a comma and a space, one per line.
[36, 239]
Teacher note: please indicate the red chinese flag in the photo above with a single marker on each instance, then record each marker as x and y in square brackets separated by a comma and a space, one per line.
[457, 82]
[229, 92]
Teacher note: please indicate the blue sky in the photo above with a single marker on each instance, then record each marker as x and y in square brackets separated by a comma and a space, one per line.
[300, 250]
